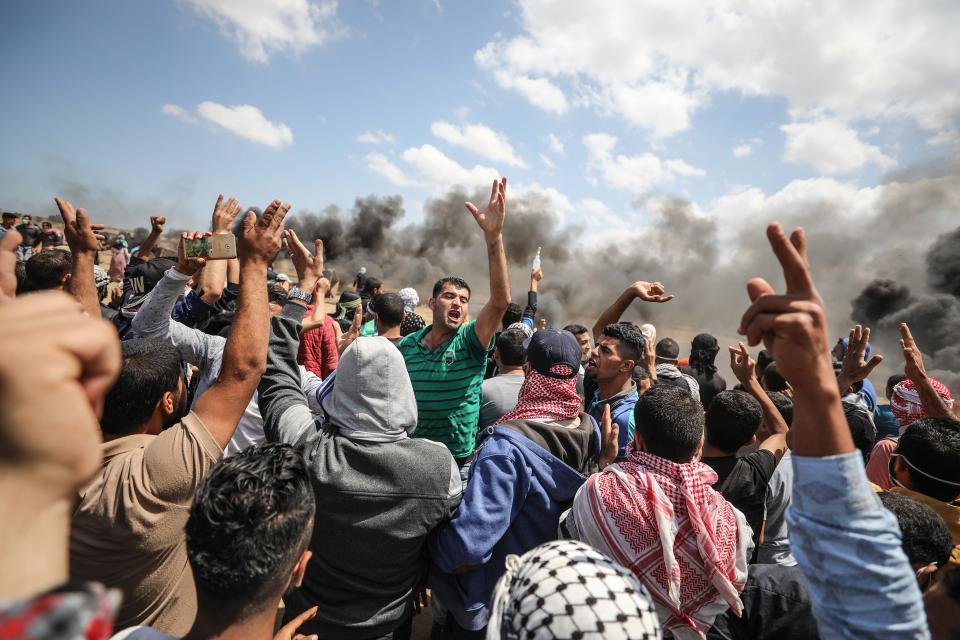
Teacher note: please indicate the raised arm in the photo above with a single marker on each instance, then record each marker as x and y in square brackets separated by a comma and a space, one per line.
[839, 532]
[530, 311]
[214, 274]
[933, 405]
[745, 369]
[83, 241]
[156, 230]
[646, 291]
[490, 221]
[245, 354]
[854, 368]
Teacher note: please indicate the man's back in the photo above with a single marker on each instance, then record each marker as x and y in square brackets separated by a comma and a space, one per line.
[378, 501]
[127, 531]
[499, 396]
[744, 482]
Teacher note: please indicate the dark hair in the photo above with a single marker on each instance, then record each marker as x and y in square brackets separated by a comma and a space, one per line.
[631, 340]
[670, 421]
[150, 368]
[277, 295]
[926, 537]
[764, 359]
[932, 445]
[576, 329]
[513, 314]
[893, 381]
[46, 270]
[511, 349]
[250, 521]
[862, 429]
[668, 349]
[46, 223]
[773, 380]
[9, 214]
[370, 285]
[732, 420]
[389, 309]
[783, 404]
[458, 283]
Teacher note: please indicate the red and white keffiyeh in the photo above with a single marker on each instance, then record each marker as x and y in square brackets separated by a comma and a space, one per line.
[905, 402]
[545, 398]
[679, 536]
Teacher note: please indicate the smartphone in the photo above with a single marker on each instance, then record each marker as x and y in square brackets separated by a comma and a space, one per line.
[222, 246]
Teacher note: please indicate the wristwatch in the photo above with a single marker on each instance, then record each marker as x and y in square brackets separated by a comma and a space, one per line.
[303, 296]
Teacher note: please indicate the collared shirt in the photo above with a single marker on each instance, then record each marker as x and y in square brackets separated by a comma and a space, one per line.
[621, 413]
[848, 546]
[447, 384]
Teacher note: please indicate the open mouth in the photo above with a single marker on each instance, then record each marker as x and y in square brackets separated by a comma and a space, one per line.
[453, 316]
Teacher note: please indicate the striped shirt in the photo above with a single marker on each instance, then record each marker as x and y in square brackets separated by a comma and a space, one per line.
[447, 383]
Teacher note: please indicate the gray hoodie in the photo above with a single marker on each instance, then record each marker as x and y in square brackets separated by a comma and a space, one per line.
[379, 493]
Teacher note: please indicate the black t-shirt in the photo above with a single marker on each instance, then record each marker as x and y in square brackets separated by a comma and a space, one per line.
[743, 482]
[776, 605]
[710, 385]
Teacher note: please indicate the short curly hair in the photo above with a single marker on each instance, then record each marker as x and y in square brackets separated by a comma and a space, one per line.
[250, 521]
[632, 341]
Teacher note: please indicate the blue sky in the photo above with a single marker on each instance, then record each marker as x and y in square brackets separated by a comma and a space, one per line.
[645, 100]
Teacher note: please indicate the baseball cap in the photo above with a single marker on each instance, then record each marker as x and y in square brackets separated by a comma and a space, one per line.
[554, 353]
[139, 280]
[282, 277]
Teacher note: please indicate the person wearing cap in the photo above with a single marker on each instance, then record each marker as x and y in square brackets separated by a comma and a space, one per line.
[528, 467]
[283, 281]
[360, 280]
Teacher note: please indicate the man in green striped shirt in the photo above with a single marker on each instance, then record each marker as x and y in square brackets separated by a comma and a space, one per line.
[446, 360]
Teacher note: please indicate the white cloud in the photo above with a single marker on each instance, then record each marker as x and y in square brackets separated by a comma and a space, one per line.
[178, 112]
[376, 137]
[441, 172]
[480, 139]
[264, 27]
[379, 163]
[830, 147]
[654, 64]
[742, 150]
[555, 144]
[597, 214]
[547, 161]
[247, 122]
[639, 174]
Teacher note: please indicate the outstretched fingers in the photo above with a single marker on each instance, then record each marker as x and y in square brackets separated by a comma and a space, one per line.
[792, 261]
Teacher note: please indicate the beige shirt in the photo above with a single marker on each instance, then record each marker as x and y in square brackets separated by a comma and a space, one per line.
[128, 530]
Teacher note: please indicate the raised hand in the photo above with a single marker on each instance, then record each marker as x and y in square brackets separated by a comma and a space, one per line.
[289, 630]
[609, 438]
[352, 333]
[185, 265]
[80, 234]
[913, 366]
[650, 291]
[309, 267]
[156, 224]
[224, 213]
[743, 366]
[854, 368]
[491, 218]
[536, 275]
[260, 239]
[792, 325]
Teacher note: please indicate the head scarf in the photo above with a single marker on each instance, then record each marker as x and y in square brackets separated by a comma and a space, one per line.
[372, 400]
[703, 351]
[409, 297]
[906, 405]
[522, 328]
[567, 589]
[649, 332]
[681, 538]
[100, 277]
[347, 302]
[545, 398]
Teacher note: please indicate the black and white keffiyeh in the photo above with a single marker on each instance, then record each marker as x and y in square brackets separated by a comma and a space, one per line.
[566, 589]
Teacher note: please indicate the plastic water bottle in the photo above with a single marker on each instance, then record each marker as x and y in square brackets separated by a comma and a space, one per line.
[536, 260]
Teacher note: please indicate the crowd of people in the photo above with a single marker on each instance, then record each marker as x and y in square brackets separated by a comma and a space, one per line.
[200, 448]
